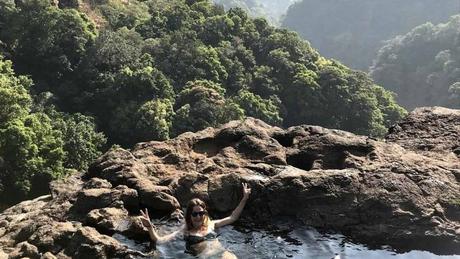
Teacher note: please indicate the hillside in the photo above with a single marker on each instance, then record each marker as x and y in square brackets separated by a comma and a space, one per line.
[95, 74]
[352, 31]
[272, 10]
[423, 66]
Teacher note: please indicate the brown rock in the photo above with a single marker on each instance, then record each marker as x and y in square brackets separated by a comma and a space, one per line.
[156, 197]
[48, 255]
[24, 249]
[89, 199]
[404, 191]
[3, 255]
[53, 237]
[428, 129]
[97, 183]
[224, 192]
[88, 243]
[93, 199]
[108, 219]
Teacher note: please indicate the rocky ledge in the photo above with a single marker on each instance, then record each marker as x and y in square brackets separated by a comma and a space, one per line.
[402, 191]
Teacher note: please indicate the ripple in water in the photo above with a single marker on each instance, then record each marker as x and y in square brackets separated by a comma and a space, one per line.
[302, 242]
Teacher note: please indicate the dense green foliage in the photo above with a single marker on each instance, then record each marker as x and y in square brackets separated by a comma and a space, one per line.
[45, 42]
[37, 146]
[423, 66]
[272, 10]
[158, 68]
[352, 31]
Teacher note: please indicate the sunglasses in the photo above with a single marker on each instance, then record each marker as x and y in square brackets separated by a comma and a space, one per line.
[199, 213]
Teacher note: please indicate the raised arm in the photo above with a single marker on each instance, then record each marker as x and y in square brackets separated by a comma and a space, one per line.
[237, 212]
[154, 236]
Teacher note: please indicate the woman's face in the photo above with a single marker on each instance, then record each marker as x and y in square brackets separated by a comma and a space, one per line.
[198, 215]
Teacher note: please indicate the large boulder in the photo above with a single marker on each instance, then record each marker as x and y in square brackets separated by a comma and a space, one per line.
[435, 129]
[401, 191]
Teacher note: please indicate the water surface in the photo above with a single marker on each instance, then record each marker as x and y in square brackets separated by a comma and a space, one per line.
[301, 242]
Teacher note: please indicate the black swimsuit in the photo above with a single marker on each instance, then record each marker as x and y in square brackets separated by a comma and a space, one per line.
[195, 239]
[191, 240]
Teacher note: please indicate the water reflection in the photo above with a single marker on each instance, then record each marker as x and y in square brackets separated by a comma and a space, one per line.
[302, 242]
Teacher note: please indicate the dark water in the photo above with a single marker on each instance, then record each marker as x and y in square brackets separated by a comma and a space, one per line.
[302, 242]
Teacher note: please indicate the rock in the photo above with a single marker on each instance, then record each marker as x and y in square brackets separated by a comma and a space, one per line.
[428, 129]
[88, 243]
[96, 198]
[3, 255]
[53, 237]
[403, 191]
[108, 220]
[224, 192]
[48, 255]
[319, 199]
[156, 197]
[191, 185]
[67, 188]
[90, 199]
[97, 183]
[25, 249]
[136, 230]
[177, 216]
[116, 166]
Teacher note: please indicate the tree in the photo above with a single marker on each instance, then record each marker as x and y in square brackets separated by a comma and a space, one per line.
[254, 106]
[158, 68]
[38, 143]
[272, 10]
[239, 64]
[46, 42]
[202, 104]
[33, 155]
[183, 58]
[30, 149]
[353, 31]
[119, 14]
[154, 120]
[15, 101]
[216, 29]
[82, 143]
[422, 65]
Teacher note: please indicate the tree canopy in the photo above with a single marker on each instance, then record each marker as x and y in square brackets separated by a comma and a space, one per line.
[272, 10]
[150, 70]
[423, 66]
[37, 144]
[352, 31]
[145, 62]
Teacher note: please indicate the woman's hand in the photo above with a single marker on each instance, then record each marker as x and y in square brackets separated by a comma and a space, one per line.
[145, 219]
[246, 191]
[237, 211]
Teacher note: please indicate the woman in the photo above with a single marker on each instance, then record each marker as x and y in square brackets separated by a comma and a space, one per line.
[199, 230]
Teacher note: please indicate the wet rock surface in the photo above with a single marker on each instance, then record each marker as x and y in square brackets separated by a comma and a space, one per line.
[395, 191]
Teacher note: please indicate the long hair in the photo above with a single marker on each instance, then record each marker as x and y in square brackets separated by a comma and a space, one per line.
[188, 212]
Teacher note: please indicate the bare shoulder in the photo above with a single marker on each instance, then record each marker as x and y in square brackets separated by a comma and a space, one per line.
[212, 224]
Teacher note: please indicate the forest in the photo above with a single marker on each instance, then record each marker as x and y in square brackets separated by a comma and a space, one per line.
[272, 10]
[352, 31]
[423, 66]
[80, 77]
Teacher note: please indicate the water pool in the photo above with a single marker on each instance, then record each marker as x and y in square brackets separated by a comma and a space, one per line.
[301, 242]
